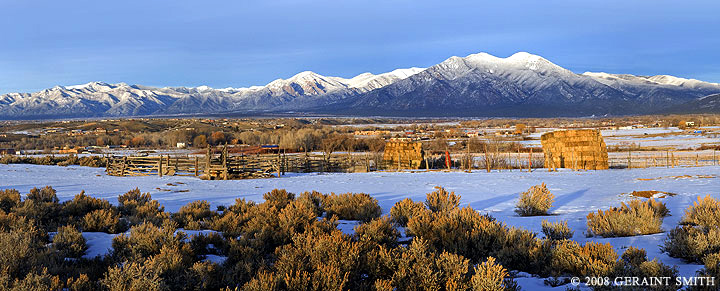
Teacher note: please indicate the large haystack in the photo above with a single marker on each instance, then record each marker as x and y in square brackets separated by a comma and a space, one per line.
[403, 155]
[575, 149]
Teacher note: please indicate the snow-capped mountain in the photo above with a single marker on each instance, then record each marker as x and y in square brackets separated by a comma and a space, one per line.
[304, 90]
[523, 85]
[476, 85]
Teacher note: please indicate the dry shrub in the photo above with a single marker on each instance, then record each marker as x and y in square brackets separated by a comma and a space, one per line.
[322, 262]
[692, 243]
[41, 205]
[139, 208]
[234, 218]
[462, 231]
[634, 263]
[569, 257]
[489, 276]
[133, 276]
[712, 266]
[278, 198]
[132, 199]
[9, 199]
[699, 236]
[352, 206]
[21, 242]
[535, 201]
[441, 200]
[417, 267]
[205, 276]
[520, 250]
[38, 281]
[195, 215]
[297, 217]
[380, 230]
[262, 226]
[210, 243]
[556, 230]
[405, 209]
[104, 220]
[144, 241]
[81, 283]
[704, 212]
[313, 199]
[264, 281]
[70, 242]
[266, 226]
[46, 194]
[634, 218]
[658, 207]
[172, 264]
[82, 204]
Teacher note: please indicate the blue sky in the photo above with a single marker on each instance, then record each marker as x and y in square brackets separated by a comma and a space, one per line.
[242, 43]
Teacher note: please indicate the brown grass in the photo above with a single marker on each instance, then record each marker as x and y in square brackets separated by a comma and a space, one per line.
[651, 194]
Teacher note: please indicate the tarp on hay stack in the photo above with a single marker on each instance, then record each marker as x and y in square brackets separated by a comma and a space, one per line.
[576, 149]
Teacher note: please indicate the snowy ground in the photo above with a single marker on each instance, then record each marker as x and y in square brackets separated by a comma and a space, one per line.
[577, 194]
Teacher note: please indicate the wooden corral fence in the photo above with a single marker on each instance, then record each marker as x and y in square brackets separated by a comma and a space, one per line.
[663, 159]
[225, 166]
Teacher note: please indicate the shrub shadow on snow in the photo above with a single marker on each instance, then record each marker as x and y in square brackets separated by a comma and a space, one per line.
[563, 200]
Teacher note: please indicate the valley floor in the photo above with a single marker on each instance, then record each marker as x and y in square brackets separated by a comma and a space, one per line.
[577, 194]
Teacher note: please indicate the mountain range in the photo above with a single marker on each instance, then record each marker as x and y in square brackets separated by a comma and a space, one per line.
[478, 85]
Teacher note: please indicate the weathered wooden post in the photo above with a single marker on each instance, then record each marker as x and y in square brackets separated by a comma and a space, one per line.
[277, 164]
[530, 160]
[160, 166]
[672, 159]
[196, 166]
[448, 161]
[225, 169]
[518, 160]
[487, 159]
[208, 162]
[122, 169]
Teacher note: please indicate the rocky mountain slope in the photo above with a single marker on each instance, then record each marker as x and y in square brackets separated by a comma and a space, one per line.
[476, 85]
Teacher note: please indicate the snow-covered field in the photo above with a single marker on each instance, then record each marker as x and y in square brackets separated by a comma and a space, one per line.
[577, 194]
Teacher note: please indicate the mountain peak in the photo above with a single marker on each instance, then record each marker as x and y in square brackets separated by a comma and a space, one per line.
[677, 81]
[653, 80]
[476, 85]
[306, 75]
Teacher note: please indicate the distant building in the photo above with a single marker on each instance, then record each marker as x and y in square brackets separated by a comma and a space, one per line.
[181, 145]
[372, 132]
[474, 134]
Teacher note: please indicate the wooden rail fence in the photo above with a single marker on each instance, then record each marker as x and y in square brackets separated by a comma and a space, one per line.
[225, 166]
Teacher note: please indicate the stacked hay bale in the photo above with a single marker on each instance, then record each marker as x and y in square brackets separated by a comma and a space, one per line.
[575, 149]
[403, 155]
